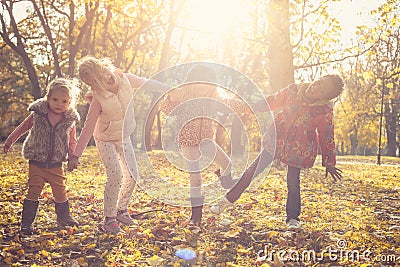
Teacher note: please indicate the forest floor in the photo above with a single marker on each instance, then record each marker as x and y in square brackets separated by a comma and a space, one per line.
[355, 222]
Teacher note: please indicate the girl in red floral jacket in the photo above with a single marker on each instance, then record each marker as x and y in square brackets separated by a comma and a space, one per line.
[305, 120]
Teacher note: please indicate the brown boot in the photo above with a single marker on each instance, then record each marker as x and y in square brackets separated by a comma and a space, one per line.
[29, 209]
[197, 210]
[64, 216]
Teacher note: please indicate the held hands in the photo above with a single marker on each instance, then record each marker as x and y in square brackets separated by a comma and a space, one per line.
[334, 172]
[73, 163]
[6, 148]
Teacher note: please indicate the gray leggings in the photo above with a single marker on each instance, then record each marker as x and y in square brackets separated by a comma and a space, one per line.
[263, 160]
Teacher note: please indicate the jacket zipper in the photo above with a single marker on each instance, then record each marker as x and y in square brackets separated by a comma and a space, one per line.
[52, 132]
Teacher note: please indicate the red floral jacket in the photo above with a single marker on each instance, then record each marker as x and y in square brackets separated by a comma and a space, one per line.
[300, 128]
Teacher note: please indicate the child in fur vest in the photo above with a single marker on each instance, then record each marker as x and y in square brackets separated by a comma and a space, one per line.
[51, 138]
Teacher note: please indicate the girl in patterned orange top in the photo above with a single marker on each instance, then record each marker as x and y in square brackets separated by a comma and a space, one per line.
[195, 135]
[305, 121]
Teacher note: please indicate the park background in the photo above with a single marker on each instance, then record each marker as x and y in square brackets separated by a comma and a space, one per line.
[274, 43]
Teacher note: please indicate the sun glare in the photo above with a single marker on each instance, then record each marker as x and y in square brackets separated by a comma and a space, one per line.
[214, 16]
[353, 13]
[206, 21]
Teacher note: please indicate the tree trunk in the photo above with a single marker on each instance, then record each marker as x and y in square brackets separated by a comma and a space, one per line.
[165, 52]
[281, 70]
[342, 148]
[391, 125]
[236, 133]
[47, 30]
[19, 48]
[83, 33]
[33, 78]
[353, 142]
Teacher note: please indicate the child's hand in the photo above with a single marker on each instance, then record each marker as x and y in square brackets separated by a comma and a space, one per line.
[334, 172]
[73, 163]
[6, 148]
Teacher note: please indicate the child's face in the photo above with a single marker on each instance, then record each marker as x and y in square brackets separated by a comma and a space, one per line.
[320, 89]
[109, 78]
[58, 101]
[106, 78]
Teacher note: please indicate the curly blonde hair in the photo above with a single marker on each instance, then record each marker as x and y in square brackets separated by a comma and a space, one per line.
[66, 85]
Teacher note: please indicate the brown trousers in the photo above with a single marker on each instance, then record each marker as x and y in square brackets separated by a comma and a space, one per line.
[39, 176]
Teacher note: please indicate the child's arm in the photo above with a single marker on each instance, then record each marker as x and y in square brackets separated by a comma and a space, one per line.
[88, 128]
[72, 165]
[325, 129]
[276, 100]
[326, 140]
[86, 134]
[21, 129]
[72, 141]
[150, 86]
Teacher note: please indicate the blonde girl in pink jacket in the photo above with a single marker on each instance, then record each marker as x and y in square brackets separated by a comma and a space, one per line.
[110, 95]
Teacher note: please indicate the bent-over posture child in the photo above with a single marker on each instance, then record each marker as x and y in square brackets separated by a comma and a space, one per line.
[305, 120]
[51, 139]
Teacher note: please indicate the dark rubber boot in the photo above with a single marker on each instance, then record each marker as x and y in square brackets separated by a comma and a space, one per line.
[29, 210]
[197, 210]
[64, 216]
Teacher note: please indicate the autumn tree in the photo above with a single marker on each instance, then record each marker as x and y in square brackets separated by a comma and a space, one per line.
[385, 52]
[280, 54]
[174, 11]
[355, 118]
[15, 38]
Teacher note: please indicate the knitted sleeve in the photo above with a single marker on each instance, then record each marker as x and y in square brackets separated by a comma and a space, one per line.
[24, 127]
[325, 129]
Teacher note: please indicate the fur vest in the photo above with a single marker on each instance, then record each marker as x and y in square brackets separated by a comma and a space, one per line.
[46, 143]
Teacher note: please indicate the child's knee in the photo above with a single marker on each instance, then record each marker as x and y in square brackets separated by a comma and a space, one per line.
[60, 194]
[34, 192]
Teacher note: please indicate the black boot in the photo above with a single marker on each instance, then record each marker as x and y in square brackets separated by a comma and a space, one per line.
[29, 209]
[197, 210]
[64, 216]
[226, 181]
